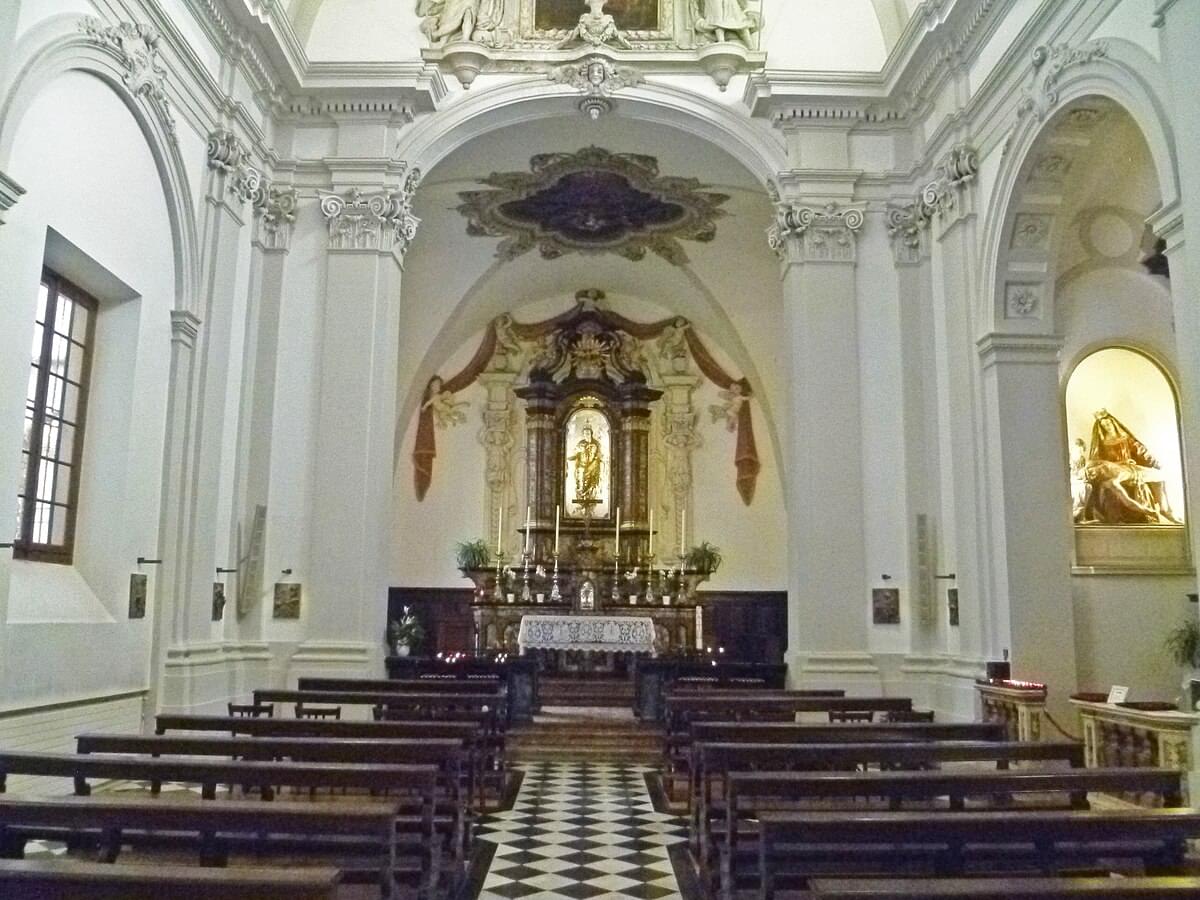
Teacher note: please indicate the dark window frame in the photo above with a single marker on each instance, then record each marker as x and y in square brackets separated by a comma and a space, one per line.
[24, 545]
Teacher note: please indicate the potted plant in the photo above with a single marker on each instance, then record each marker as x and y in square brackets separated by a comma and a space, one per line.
[473, 555]
[704, 558]
[405, 633]
[1183, 643]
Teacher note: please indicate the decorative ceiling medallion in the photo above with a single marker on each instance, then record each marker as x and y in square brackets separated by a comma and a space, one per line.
[592, 201]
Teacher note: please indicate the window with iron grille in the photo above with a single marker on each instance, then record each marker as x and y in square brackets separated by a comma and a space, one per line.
[55, 410]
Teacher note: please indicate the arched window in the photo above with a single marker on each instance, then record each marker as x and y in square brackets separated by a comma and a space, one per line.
[1123, 439]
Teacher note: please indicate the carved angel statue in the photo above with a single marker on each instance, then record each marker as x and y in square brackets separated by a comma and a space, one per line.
[672, 345]
[596, 27]
[508, 353]
[720, 20]
[447, 412]
[461, 20]
[729, 407]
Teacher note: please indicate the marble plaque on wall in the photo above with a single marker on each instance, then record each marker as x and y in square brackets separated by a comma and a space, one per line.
[287, 600]
[885, 606]
[137, 596]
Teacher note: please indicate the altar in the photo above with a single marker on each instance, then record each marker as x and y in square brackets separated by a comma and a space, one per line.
[611, 634]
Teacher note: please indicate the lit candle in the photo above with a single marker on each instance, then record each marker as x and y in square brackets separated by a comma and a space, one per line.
[651, 532]
[557, 514]
[500, 531]
[617, 531]
[527, 523]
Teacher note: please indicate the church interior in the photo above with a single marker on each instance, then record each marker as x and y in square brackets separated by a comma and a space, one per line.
[578, 449]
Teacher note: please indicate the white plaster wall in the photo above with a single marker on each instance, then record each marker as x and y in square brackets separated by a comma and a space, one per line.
[1132, 21]
[103, 196]
[829, 35]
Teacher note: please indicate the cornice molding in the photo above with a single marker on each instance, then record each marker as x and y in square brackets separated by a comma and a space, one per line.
[1019, 349]
[10, 193]
[185, 328]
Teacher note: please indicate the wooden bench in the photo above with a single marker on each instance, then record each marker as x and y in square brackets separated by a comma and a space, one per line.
[804, 845]
[453, 686]
[358, 828]
[452, 759]
[713, 762]
[40, 879]
[1165, 888]
[746, 794]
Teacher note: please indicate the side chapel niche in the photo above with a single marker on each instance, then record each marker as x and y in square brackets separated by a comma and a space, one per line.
[1126, 465]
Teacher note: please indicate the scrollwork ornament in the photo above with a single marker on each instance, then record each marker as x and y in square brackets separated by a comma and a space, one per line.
[828, 233]
[1049, 63]
[136, 47]
[382, 220]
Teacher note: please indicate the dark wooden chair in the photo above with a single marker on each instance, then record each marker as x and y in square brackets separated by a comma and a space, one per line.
[252, 710]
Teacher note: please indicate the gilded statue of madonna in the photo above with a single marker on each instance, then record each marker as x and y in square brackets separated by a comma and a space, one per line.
[1117, 481]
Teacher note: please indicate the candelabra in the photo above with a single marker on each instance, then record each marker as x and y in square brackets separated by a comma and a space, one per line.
[650, 579]
[555, 593]
[616, 580]
[498, 593]
[526, 594]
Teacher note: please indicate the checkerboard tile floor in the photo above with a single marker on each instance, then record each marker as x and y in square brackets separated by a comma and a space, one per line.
[580, 831]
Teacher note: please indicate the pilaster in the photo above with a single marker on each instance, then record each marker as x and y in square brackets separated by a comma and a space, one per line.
[10, 193]
[827, 587]
[680, 439]
[368, 234]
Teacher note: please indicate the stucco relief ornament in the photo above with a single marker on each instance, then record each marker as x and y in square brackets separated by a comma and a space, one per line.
[474, 21]
[905, 222]
[730, 407]
[136, 47]
[1050, 62]
[957, 169]
[382, 220]
[596, 27]
[447, 412]
[598, 79]
[725, 20]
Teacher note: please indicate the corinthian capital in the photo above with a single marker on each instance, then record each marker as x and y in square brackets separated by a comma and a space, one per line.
[825, 234]
[229, 156]
[380, 220]
[275, 209]
[955, 171]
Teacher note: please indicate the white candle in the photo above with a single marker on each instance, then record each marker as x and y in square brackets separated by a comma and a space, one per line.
[527, 523]
[557, 514]
[683, 531]
[651, 532]
[500, 531]
[617, 531]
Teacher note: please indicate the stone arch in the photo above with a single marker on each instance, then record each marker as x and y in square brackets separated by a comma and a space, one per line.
[57, 46]
[1115, 83]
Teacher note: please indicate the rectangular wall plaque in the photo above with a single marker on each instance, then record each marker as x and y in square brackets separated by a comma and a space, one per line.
[287, 600]
[885, 606]
[137, 596]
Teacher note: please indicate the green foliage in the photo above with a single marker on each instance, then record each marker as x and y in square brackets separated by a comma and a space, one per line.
[405, 630]
[473, 555]
[1183, 643]
[704, 558]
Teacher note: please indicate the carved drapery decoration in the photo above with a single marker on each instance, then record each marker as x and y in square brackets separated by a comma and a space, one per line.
[828, 233]
[501, 342]
[1050, 62]
[380, 220]
[592, 201]
[136, 47]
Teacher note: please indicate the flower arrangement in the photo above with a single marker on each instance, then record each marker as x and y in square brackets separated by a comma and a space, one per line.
[405, 631]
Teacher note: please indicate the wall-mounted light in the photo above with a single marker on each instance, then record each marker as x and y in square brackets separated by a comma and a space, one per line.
[6, 546]
[146, 561]
[886, 577]
[950, 577]
[221, 571]
[286, 572]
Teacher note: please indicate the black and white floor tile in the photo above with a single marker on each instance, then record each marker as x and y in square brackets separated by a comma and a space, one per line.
[582, 831]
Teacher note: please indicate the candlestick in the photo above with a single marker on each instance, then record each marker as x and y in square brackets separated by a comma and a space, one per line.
[555, 594]
[527, 523]
[526, 594]
[557, 517]
[498, 593]
[650, 573]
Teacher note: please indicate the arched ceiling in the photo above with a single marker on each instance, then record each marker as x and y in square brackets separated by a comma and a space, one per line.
[454, 283]
[828, 35]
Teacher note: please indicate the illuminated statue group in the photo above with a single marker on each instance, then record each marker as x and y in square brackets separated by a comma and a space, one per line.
[1116, 480]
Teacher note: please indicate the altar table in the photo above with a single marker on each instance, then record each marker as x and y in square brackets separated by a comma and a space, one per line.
[615, 634]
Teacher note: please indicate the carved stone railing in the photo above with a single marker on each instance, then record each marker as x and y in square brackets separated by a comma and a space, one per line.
[1021, 707]
[1118, 736]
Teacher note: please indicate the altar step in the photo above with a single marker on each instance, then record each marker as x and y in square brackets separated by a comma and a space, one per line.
[579, 734]
[591, 692]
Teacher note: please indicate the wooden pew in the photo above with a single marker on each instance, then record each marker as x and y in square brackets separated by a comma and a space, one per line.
[212, 828]
[431, 703]
[404, 685]
[940, 843]
[746, 794]
[452, 759]
[1164, 888]
[714, 761]
[41, 879]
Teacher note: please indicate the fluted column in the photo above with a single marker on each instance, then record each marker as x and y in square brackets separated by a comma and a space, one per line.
[368, 234]
[827, 611]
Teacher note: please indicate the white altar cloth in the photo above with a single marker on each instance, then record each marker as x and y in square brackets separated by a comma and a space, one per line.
[618, 634]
